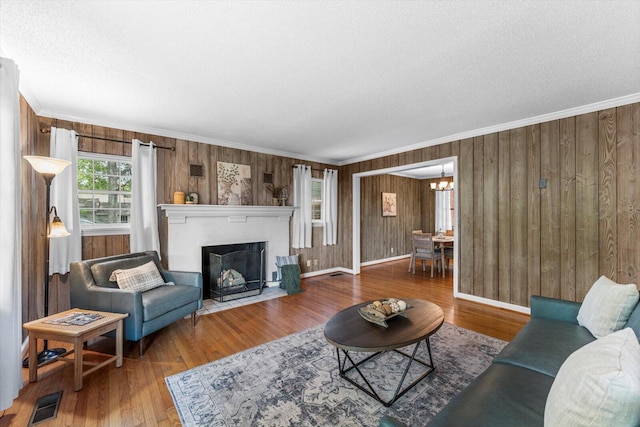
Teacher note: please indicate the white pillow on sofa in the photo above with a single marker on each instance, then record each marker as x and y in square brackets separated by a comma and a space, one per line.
[139, 279]
[598, 384]
[607, 306]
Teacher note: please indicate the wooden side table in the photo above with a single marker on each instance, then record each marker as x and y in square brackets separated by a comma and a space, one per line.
[77, 335]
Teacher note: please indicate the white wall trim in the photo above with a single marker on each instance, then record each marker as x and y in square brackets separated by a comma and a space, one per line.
[492, 303]
[355, 199]
[43, 112]
[575, 111]
[105, 230]
[327, 271]
[382, 261]
[570, 112]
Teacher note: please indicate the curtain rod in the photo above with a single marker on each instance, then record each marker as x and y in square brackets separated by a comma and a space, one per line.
[112, 140]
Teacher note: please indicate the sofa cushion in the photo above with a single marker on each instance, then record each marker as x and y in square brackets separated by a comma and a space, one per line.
[101, 271]
[543, 345]
[607, 306]
[598, 385]
[138, 279]
[503, 395]
[163, 299]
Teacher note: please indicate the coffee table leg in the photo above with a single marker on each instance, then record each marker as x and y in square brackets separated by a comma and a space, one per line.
[399, 390]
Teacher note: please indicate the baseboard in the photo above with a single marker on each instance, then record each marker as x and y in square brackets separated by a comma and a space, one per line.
[492, 303]
[327, 271]
[381, 261]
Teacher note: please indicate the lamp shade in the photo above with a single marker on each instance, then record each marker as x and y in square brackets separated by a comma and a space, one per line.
[58, 229]
[47, 165]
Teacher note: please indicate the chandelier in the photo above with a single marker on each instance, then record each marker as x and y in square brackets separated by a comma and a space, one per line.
[443, 185]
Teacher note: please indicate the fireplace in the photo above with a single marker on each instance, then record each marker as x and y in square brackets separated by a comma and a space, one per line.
[233, 271]
[192, 227]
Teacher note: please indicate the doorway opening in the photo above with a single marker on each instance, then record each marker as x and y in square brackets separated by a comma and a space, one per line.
[356, 209]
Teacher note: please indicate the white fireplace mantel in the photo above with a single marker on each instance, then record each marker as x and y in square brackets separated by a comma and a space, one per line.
[179, 213]
[192, 227]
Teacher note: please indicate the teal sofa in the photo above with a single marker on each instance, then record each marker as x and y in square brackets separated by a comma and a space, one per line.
[513, 390]
[148, 311]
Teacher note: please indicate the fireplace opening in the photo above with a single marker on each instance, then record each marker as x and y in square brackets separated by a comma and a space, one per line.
[233, 271]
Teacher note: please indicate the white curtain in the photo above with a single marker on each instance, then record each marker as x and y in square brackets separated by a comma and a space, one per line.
[144, 215]
[330, 207]
[302, 202]
[10, 232]
[443, 211]
[64, 196]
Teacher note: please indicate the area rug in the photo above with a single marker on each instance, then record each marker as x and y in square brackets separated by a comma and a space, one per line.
[294, 381]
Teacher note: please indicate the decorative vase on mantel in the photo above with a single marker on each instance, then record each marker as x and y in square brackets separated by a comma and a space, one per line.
[178, 198]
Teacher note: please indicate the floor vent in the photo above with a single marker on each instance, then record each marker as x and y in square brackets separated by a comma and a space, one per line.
[46, 408]
[336, 274]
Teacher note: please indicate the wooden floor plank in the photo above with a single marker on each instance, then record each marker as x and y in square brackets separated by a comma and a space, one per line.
[136, 394]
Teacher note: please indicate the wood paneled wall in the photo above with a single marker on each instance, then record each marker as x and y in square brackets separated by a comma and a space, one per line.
[382, 233]
[33, 223]
[173, 175]
[517, 239]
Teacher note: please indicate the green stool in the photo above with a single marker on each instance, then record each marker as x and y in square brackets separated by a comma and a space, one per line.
[291, 279]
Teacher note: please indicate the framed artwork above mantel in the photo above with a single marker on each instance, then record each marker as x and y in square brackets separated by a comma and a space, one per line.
[234, 184]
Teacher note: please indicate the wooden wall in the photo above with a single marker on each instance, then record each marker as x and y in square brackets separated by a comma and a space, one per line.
[517, 239]
[173, 175]
[379, 234]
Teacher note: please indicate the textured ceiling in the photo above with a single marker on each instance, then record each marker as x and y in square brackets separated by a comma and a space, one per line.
[333, 81]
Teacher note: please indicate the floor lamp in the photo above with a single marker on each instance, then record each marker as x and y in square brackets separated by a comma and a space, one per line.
[49, 167]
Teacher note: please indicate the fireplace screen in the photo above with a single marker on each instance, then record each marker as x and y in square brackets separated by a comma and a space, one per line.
[235, 271]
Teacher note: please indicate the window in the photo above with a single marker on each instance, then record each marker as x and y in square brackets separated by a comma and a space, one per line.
[316, 201]
[104, 193]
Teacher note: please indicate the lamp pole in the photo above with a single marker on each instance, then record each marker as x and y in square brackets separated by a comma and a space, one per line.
[48, 167]
[48, 177]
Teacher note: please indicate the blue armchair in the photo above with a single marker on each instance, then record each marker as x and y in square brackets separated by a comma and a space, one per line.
[148, 311]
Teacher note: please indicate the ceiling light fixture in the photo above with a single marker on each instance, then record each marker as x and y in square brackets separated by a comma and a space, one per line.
[443, 185]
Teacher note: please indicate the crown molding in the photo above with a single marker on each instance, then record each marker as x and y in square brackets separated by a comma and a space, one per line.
[176, 135]
[576, 111]
[23, 87]
[563, 114]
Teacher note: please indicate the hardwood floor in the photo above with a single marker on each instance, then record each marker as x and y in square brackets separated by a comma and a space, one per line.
[136, 395]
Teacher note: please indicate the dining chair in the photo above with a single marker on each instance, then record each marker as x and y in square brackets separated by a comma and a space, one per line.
[424, 250]
[448, 249]
[413, 232]
[448, 255]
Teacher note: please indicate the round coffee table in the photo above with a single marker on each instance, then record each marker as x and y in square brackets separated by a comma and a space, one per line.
[349, 332]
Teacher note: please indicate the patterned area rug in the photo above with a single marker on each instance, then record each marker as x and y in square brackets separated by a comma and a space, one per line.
[294, 381]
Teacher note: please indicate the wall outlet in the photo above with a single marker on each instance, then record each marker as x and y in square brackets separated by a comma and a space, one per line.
[315, 262]
[391, 250]
[308, 263]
